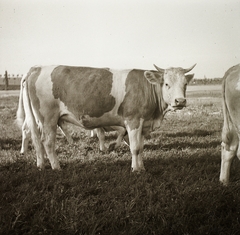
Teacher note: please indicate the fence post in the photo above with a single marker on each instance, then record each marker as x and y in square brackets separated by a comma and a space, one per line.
[6, 80]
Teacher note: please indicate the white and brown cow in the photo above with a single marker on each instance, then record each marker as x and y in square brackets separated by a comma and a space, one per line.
[231, 126]
[135, 100]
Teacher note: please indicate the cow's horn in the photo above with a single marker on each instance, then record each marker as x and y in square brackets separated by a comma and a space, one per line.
[189, 69]
[159, 69]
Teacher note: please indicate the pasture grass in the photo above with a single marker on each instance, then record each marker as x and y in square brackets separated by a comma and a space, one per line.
[95, 192]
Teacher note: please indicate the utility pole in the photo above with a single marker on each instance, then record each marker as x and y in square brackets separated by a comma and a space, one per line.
[6, 80]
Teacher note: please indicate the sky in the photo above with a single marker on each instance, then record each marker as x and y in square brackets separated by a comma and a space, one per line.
[120, 34]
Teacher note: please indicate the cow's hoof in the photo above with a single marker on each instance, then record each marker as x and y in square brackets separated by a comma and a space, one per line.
[224, 183]
[56, 168]
[138, 171]
[40, 168]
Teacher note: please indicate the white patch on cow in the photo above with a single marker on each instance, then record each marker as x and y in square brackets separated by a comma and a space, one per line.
[118, 86]
[63, 109]
[238, 84]
[45, 83]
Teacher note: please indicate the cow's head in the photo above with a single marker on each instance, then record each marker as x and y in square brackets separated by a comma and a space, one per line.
[173, 82]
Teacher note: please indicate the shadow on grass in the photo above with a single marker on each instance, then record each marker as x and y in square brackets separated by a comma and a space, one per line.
[194, 133]
[182, 145]
[203, 166]
[183, 140]
[10, 143]
[173, 195]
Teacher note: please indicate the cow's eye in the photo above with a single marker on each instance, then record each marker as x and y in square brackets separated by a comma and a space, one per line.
[167, 86]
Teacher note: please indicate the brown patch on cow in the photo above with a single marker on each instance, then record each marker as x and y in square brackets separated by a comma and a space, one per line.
[32, 78]
[139, 101]
[85, 91]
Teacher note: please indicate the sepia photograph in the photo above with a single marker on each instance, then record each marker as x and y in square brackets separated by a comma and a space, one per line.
[120, 117]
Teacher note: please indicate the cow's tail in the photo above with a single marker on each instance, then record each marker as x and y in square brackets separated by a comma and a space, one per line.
[31, 118]
[20, 112]
[227, 131]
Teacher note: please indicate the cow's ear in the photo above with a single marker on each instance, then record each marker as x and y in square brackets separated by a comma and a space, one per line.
[153, 77]
[189, 77]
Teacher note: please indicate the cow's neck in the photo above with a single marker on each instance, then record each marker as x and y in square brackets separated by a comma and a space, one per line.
[161, 105]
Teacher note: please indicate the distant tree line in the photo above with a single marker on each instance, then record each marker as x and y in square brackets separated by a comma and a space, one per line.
[206, 81]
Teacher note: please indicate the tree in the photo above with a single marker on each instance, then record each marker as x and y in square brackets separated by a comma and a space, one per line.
[6, 80]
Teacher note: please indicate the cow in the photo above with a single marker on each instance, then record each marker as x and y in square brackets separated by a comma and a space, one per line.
[88, 97]
[231, 125]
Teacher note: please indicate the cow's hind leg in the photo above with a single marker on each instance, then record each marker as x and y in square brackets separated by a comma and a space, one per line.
[101, 137]
[121, 132]
[92, 133]
[228, 152]
[40, 157]
[49, 139]
[40, 151]
[26, 135]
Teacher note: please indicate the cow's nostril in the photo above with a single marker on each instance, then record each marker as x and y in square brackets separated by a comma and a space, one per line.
[180, 101]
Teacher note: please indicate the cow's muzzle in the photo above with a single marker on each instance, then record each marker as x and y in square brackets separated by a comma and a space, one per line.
[179, 103]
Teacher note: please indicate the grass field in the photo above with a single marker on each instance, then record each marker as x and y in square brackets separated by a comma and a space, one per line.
[95, 192]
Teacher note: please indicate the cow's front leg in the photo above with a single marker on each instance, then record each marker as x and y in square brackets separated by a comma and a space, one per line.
[137, 152]
[134, 129]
